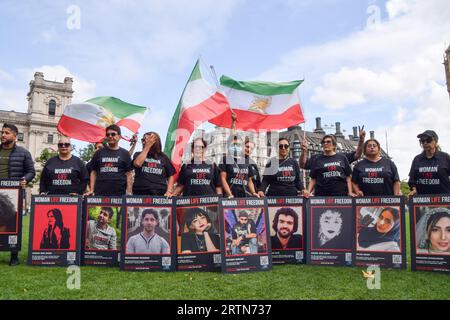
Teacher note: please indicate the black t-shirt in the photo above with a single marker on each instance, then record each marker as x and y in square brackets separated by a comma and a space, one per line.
[286, 181]
[242, 230]
[199, 179]
[196, 243]
[255, 177]
[237, 176]
[330, 173]
[349, 155]
[375, 178]
[111, 167]
[430, 176]
[295, 242]
[64, 176]
[152, 177]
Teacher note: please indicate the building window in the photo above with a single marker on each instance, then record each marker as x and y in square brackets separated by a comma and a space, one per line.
[20, 136]
[50, 138]
[52, 107]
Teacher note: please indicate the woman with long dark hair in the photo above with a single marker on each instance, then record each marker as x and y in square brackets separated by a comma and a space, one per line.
[199, 238]
[154, 172]
[55, 236]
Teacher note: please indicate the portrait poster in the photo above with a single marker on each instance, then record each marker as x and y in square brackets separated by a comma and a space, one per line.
[287, 232]
[11, 200]
[380, 232]
[430, 232]
[330, 222]
[55, 231]
[148, 234]
[198, 233]
[102, 231]
[245, 242]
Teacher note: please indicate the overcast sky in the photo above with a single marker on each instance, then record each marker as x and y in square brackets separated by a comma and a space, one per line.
[366, 62]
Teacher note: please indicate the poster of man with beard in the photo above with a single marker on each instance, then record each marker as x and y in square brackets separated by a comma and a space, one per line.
[287, 229]
[330, 223]
[10, 215]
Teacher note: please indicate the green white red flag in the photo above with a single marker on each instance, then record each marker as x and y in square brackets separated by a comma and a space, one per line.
[87, 121]
[200, 102]
[261, 105]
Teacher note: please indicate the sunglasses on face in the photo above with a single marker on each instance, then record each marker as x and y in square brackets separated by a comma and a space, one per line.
[111, 134]
[426, 140]
[326, 142]
[283, 146]
[63, 145]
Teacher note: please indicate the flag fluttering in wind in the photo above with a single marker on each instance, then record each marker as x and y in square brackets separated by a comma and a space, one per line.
[87, 121]
[261, 105]
[200, 102]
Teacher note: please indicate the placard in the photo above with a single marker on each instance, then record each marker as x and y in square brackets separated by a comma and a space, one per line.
[11, 199]
[287, 232]
[430, 232]
[330, 222]
[380, 232]
[55, 231]
[102, 231]
[245, 244]
[198, 233]
[148, 234]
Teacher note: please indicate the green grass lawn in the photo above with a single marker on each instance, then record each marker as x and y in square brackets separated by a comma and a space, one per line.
[283, 282]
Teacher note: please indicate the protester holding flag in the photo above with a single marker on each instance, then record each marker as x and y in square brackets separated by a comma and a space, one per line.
[282, 175]
[111, 167]
[248, 149]
[330, 172]
[199, 177]
[64, 174]
[375, 175]
[154, 173]
[430, 170]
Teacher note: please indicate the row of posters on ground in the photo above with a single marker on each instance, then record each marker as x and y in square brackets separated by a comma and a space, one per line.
[236, 235]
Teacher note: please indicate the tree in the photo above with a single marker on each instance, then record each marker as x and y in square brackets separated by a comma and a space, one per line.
[404, 187]
[86, 153]
[45, 155]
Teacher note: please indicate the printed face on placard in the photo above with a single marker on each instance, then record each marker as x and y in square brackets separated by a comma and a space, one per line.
[102, 229]
[286, 227]
[8, 210]
[198, 230]
[332, 228]
[433, 230]
[55, 227]
[148, 230]
[245, 231]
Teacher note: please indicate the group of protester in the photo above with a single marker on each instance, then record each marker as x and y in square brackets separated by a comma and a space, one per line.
[109, 173]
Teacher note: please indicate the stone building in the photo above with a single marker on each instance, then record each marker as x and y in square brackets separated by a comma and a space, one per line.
[447, 68]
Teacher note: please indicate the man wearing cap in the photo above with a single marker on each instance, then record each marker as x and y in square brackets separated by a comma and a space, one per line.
[15, 163]
[430, 170]
[111, 167]
[244, 235]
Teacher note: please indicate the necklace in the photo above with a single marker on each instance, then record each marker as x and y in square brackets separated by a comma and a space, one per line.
[200, 240]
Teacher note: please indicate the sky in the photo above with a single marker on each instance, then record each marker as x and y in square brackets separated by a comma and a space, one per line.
[376, 63]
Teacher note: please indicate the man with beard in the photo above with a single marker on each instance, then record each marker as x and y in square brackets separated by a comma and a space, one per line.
[285, 223]
[15, 163]
[100, 235]
[148, 241]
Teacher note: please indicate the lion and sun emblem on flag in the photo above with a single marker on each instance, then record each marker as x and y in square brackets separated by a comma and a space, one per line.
[260, 104]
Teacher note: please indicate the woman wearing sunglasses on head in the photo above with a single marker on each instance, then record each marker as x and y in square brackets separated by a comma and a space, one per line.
[282, 174]
[200, 177]
[154, 172]
[64, 174]
[430, 170]
[330, 172]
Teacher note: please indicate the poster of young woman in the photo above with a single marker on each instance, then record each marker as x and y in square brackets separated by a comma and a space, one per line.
[330, 223]
[430, 232]
[11, 199]
[380, 232]
[198, 234]
[148, 234]
[102, 231]
[245, 244]
[287, 234]
[55, 231]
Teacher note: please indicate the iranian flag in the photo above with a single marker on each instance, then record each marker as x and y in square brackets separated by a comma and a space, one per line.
[87, 121]
[261, 105]
[200, 102]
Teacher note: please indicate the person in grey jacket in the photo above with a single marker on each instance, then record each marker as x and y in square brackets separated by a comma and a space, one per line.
[15, 163]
